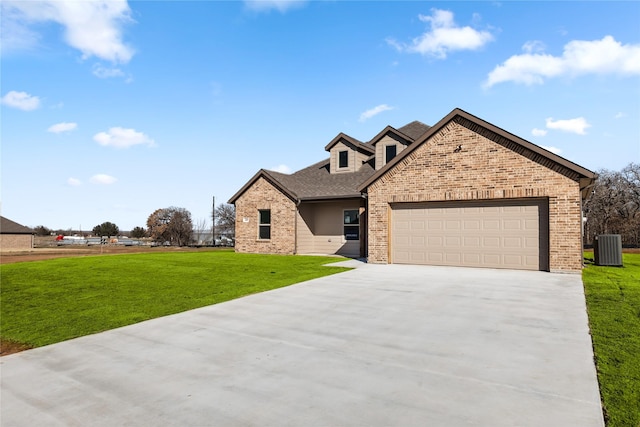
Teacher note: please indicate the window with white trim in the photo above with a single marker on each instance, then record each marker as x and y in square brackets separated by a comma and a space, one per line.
[351, 224]
[264, 224]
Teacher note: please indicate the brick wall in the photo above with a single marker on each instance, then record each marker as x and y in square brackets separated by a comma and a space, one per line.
[263, 195]
[484, 169]
[16, 242]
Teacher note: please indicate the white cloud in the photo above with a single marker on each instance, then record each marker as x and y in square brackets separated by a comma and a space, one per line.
[21, 101]
[279, 5]
[374, 111]
[122, 138]
[14, 34]
[444, 37]
[554, 150]
[62, 127]
[538, 132]
[105, 73]
[102, 179]
[281, 169]
[620, 115]
[93, 27]
[606, 56]
[74, 182]
[577, 125]
[533, 46]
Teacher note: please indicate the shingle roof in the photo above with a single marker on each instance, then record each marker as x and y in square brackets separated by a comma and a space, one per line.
[315, 181]
[414, 129]
[10, 227]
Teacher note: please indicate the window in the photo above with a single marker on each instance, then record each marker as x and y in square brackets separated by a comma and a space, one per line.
[389, 153]
[343, 159]
[352, 225]
[264, 226]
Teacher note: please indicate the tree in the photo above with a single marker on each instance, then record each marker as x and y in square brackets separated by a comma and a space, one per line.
[171, 225]
[614, 205]
[107, 229]
[41, 230]
[226, 220]
[138, 232]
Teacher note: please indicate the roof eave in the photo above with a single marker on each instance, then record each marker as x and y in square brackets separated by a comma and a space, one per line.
[386, 130]
[355, 142]
[271, 179]
[583, 172]
[334, 197]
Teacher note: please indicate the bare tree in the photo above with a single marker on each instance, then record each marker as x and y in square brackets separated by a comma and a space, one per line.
[226, 220]
[171, 225]
[201, 231]
[614, 205]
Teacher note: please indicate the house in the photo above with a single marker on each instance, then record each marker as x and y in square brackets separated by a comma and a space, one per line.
[15, 237]
[462, 192]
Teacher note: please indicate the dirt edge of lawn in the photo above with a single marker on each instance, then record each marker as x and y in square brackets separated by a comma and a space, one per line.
[10, 347]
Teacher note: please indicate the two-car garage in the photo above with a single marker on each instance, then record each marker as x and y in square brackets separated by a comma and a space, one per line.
[496, 234]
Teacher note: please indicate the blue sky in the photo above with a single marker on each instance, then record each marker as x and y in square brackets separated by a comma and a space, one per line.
[111, 110]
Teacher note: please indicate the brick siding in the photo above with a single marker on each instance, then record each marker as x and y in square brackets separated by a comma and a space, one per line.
[263, 195]
[16, 242]
[484, 169]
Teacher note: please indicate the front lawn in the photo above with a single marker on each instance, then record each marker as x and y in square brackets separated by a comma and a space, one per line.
[46, 302]
[613, 304]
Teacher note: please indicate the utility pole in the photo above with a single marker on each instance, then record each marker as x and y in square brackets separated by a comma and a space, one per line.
[213, 223]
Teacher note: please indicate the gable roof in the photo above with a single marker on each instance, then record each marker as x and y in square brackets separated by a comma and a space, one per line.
[10, 227]
[314, 182]
[538, 154]
[387, 130]
[358, 145]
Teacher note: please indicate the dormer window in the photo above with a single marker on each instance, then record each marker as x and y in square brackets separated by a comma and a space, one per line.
[390, 152]
[343, 159]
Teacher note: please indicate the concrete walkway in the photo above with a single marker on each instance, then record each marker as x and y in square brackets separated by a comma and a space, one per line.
[382, 345]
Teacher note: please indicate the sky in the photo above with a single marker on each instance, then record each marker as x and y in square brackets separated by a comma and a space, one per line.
[113, 109]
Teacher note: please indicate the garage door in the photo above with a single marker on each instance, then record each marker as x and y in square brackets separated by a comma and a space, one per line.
[472, 234]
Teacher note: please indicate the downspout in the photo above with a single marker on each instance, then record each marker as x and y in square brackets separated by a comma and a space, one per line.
[295, 228]
[365, 233]
[583, 218]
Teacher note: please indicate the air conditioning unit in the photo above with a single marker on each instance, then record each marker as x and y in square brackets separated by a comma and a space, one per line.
[607, 249]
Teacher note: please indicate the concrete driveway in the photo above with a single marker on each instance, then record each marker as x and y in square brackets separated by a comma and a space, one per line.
[382, 345]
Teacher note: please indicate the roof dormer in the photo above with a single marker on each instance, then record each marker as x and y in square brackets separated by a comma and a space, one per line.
[347, 154]
[388, 144]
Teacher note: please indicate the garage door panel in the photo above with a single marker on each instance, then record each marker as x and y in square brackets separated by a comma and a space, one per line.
[513, 242]
[488, 224]
[434, 225]
[434, 242]
[418, 241]
[452, 225]
[471, 224]
[504, 234]
[491, 242]
[453, 241]
[471, 242]
[402, 225]
[512, 224]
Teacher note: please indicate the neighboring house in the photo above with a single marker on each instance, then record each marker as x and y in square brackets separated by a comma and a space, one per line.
[463, 193]
[15, 237]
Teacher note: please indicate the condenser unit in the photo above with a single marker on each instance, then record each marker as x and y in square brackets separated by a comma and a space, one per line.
[607, 249]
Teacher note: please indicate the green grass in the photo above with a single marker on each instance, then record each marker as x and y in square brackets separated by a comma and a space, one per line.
[613, 303]
[51, 301]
